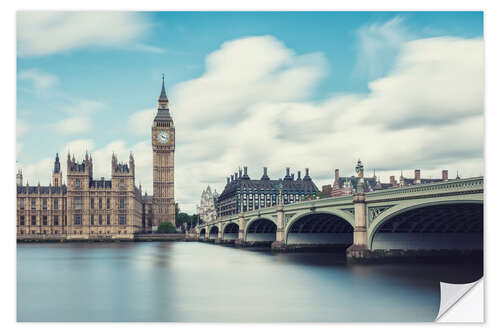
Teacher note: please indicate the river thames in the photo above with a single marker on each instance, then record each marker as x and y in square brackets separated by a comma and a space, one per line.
[199, 282]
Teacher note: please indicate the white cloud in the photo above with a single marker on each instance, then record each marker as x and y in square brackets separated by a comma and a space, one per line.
[40, 80]
[84, 107]
[244, 72]
[378, 46]
[435, 81]
[80, 120]
[47, 32]
[40, 171]
[78, 147]
[140, 122]
[73, 125]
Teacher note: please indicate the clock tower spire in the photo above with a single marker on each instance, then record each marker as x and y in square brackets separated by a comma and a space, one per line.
[163, 142]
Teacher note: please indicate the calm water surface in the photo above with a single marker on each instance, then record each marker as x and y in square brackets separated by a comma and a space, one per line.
[193, 282]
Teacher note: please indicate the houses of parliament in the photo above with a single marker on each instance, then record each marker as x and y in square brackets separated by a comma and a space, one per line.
[88, 208]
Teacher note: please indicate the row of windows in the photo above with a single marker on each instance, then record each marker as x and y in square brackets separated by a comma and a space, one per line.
[163, 123]
[79, 185]
[267, 192]
[77, 203]
[55, 204]
[33, 232]
[122, 219]
[55, 220]
[268, 196]
[260, 202]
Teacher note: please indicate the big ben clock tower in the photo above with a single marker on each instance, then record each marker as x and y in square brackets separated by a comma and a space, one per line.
[163, 141]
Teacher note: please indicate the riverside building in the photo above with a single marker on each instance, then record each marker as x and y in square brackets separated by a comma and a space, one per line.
[244, 194]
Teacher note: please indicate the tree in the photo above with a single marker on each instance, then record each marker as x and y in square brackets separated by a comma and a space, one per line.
[166, 228]
[177, 211]
[182, 218]
[195, 218]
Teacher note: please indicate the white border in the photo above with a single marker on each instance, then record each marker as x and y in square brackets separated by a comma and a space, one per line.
[8, 86]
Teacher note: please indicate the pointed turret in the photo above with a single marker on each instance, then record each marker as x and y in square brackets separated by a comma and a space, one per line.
[163, 113]
[68, 162]
[131, 163]
[19, 177]
[56, 174]
[57, 164]
[163, 94]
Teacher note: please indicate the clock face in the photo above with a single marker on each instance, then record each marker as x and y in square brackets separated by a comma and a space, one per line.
[163, 137]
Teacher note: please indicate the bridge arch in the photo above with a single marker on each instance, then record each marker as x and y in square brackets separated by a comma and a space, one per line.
[260, 229]
[230, 231]
[214, 232]
[320, 227]
[413, 226]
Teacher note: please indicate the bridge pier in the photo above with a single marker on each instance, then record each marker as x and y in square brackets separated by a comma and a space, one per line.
[359, 249]
[207, 234]
[280, 244]
[240, 241]
[219, 234]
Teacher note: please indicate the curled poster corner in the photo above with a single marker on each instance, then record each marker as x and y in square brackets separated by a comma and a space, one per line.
[451, 294]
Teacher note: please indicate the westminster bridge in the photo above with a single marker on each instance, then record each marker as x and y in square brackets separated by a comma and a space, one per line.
[446, 215]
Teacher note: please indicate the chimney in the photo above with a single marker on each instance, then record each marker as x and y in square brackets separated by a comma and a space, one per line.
[293, 176]
[239, 173]
[336, 181]
[417, 176]
[227, 180]
[232, 177]
[245, 171]
[235, 175]
[393, 181]
[264, 175]
[306, 177]
[288, 172]
[444, 174]
[298, 175]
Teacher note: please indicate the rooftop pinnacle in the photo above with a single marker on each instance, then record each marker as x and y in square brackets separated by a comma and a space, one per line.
[163, 94]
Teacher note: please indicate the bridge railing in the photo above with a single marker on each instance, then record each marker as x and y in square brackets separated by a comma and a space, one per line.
[459, 185]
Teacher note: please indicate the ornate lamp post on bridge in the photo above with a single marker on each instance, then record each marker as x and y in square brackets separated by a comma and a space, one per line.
[358, 249]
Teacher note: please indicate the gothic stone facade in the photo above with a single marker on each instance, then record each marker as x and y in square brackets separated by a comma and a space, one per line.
[86, 208]
[206, 210]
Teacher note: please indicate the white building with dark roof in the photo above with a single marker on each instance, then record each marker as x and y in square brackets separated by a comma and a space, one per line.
[206, 209]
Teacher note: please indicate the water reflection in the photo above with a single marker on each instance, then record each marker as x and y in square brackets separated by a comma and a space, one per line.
[204, 282]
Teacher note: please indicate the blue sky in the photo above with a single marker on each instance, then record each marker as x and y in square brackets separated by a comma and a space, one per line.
[91, 80]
